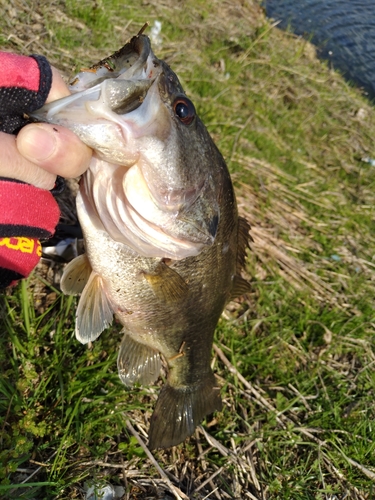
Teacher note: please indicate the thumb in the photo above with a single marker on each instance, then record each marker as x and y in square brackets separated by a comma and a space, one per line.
[53, 148]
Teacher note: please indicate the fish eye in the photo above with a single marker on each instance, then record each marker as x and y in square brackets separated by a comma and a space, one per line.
[184, 110]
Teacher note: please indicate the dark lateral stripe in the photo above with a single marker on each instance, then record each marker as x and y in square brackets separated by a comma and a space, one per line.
[25, 206]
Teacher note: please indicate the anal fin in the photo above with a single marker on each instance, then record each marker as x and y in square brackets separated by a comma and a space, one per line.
[137, 363]
[94, 312]
[76, 275]
[166, 283]
[179, 410]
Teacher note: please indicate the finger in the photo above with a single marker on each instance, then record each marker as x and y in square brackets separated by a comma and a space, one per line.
[59, 88]
[15, 166]
[53, 148]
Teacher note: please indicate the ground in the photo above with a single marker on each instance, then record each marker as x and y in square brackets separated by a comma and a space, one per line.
[294, 358]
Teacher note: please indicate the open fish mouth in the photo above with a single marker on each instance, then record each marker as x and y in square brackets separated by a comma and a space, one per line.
[142, 193]
[102, 95]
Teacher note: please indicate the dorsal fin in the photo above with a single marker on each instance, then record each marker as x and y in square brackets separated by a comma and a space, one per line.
[243, 240]
[240, 287]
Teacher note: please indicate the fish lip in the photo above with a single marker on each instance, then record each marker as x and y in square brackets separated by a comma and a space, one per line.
[140, 44]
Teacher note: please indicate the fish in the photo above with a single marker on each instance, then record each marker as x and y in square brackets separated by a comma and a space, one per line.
[164, 244]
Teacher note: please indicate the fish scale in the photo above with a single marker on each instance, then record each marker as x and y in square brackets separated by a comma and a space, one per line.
[164, 243]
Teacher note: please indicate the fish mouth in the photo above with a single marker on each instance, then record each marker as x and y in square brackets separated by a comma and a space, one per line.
[102, 95]
[121, 107]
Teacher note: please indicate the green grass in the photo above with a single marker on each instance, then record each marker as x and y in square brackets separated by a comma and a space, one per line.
[58, 399]
[297, 374]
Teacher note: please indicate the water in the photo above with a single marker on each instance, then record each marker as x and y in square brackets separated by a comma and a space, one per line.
[343, 31]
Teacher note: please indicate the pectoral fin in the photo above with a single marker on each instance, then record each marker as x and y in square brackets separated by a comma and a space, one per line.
[94, 312]
[137, 363]
[76, 275]
[166, 283]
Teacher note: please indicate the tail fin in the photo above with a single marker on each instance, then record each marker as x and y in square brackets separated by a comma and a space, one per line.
[180, 409]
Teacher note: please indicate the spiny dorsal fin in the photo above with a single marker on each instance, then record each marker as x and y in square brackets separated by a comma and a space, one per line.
[179, 410]
[243, 240]
[166, 283]
[137, 363]
[94, 312]
[76, 275]
[240, 287]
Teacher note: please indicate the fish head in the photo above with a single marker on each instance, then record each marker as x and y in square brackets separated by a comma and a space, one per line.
[156, 180]
[177, 158]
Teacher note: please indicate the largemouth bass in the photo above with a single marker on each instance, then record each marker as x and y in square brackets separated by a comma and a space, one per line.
[164, 243]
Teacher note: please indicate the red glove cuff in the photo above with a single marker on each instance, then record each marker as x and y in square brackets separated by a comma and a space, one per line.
[27, 214]
[18, 255]
[26, 210]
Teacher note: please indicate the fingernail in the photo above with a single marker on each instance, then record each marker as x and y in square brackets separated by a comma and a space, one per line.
[36, 143]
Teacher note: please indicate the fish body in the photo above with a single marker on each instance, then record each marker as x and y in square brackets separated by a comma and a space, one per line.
[164, 243]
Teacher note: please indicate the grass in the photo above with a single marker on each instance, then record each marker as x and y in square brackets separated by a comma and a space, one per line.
[295, 357]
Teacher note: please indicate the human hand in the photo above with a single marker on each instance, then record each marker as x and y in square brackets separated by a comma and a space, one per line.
[41, 151]
[28, 210]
